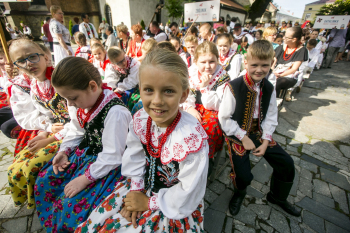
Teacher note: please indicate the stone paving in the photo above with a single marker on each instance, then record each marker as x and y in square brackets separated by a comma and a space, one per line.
[313, 128]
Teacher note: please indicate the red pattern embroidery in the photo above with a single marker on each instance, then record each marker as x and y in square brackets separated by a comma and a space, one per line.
[153, 203]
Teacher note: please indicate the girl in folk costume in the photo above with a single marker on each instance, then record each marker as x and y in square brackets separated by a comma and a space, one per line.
[191, 43]
[229, 59]
[166, 160]
[87, 167]
[84, 50]
[5, 111]
[122, 74]
[124, 39]
[50, 116]
[177, 44]
[100, 58]
[207, 79]
[134, 49]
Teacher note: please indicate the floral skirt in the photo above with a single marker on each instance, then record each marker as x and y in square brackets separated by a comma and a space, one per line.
[56, 212]
[22, 139]
[24, 171]
[210, 123]
[137, 107]
[131, 97]
[3, 100]
[106, 217]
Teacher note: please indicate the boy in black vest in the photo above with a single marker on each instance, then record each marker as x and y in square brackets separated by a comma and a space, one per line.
[248, 117]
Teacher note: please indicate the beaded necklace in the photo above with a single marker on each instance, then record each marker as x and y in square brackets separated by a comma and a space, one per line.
[168, 131]
[46, 95]
[84, 117]
[286, 58]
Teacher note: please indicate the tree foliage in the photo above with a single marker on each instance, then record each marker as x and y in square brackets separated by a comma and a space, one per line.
[339, 7]
[143, 24]
[258, 8]
[71, 27]
[175, 8]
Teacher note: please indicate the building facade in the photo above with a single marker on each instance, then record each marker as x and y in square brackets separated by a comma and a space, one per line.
[311, 9]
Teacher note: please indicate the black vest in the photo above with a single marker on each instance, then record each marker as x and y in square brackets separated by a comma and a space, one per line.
[58, 106]
[160, 175]
[94, 129]
[242, 90]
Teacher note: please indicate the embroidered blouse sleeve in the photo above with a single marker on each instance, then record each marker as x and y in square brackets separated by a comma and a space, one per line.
[25, 113]
[117, 120]
[236, 64]
[182, 199]
[49, 118]
[270, 122]
[111, 77]
[211, 99]
[74, 133]
[229, 126]
[133, 79]
[134, 160]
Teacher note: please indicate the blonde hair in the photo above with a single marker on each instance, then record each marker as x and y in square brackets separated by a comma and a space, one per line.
[45, 49]
[54, 9]
[80, 38]
[122, 28]
[75, 73]
[22, 42]
[114, 52]
[167, 61]
[269, 31]
[191, 39]
[206, 26]
[97, 46]
[261, 49]
[166, 45]
[149, 45]
[205, 48]
[93, 40]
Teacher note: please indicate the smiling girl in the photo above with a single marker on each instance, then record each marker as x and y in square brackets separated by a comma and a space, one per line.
[87, 167]
[99, 59]
[207, 79]
[166, 160]
[229, 59]
[48, 115]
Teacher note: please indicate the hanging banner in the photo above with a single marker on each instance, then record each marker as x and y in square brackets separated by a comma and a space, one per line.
[331, 21]
[208, 11]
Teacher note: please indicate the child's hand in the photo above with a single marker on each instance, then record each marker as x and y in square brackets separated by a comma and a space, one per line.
[11, 70]
[76, 186]
[248, 143]
[37, 145]
[57, 127]
[195, 113]
[131, 216]
[260, 151]
[136, 201]
[40, 136]
[205, 80]
[60, 162]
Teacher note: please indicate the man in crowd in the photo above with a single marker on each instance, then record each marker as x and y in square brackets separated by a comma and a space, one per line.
[47, 33]
[174, 27]
[103, 27]
[87, 28]
[238, 34]
[159, 35]
[336, 41]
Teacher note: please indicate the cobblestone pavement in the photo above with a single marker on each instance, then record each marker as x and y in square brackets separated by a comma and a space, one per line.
[313, 128]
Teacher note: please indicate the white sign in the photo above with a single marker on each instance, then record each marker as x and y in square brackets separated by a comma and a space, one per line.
[208, 11]
[331, 21]
[16, 0]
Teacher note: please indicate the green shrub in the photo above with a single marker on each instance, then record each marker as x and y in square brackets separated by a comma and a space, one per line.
[71, 27]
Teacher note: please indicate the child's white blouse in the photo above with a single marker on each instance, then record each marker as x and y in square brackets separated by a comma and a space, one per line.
[188, 145]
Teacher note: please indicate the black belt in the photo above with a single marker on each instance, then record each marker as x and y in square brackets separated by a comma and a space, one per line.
[59, 43]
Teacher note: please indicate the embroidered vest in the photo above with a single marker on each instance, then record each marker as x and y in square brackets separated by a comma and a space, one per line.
[227, 66]
[58, 106]
[222, 80]
[160, 175]
[24, 89]
[94, 129]
[123, 76]
[245, 101]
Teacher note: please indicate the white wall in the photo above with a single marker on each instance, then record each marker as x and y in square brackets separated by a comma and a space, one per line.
[102, 4]
[224, 13]
[120, 12]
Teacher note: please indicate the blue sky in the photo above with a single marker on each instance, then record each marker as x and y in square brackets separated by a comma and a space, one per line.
[296, 6]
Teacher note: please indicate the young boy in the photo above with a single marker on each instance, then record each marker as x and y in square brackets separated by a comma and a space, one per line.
[248, 119]
[84, 49]
[191, 43]
[315, 56]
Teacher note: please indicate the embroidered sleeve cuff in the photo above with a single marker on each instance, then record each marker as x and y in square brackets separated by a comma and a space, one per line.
[89, 176]
[137, 184]
[153, 203]
[240, 133]
[58, 136]
[267, 136]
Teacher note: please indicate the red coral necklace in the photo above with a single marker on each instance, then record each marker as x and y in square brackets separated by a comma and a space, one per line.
[286, 58]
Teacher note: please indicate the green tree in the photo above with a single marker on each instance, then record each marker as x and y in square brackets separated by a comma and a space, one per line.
[143, 24]
[175, 8]
[339, 7]
[71, 27]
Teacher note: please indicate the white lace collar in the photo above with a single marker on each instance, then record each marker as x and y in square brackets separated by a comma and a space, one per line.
[195, 81]
[21, 80]
[187, 137]
[109, 95]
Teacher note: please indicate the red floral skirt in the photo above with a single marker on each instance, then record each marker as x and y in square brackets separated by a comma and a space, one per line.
[210, 123]
[23, 138]
[3, 100]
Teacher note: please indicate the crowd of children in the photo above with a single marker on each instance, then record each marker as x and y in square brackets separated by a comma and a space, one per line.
[124, 138]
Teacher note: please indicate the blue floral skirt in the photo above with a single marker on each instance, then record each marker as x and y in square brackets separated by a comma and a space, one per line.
[137, 107]
[56, 212]
[131, 97]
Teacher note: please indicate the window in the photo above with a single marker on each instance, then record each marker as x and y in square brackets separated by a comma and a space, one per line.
[310, 9]
[108, 13]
